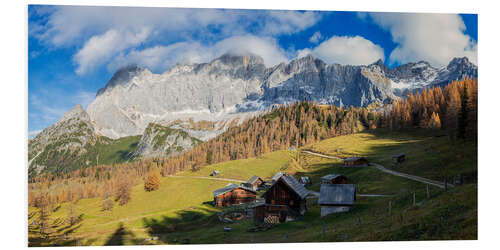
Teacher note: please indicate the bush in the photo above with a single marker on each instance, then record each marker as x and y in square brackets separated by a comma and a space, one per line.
[107, 204]
[122, 194]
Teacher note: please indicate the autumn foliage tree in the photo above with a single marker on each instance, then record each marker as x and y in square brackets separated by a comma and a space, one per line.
[452, 108]
[153, 180]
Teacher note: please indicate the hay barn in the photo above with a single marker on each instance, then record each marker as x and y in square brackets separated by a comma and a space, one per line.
[355, 162]
[334, 179]
[233, 194]
[336, 198]
[284, 201]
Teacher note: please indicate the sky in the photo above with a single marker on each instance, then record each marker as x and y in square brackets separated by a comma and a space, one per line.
[74, 50]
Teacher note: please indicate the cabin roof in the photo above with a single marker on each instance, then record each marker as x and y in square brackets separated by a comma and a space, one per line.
[277, 176]
[354, 159]
[337, 194]
[330, 177]
[291, 182]
[231, 187]
[253, 179]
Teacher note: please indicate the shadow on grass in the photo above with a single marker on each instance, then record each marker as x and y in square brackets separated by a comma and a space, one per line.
[118, 237]
[184, 220]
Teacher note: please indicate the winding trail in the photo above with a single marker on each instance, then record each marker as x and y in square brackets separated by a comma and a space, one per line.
[321, 155]
[385, 170]
[206, 178]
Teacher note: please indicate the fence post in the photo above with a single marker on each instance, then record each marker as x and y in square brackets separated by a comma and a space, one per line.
[390, 208]
[359, 220]
[445, 184]
[428, 193]
[414, 198]
[324, 230]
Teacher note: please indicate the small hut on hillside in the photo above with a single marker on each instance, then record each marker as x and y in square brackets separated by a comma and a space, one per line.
[255, 182]
[233, 194]
[215, 173]
[397, 159]
[284, 201]
[335, 198]
[355, 162]
[334, 179]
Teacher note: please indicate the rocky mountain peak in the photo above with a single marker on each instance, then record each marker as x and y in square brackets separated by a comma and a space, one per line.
[76, 112]
[121, 76]
[240, 59]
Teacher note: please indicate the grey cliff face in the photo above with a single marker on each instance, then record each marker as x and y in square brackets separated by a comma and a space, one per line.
[163, 141]
[235, 84]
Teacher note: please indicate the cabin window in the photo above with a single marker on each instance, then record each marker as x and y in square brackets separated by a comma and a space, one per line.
[291, 202]
[272, 201]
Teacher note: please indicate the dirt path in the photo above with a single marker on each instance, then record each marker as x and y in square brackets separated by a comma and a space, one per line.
[383, 169]
[411, 177]
[321, 155]
[207, 178]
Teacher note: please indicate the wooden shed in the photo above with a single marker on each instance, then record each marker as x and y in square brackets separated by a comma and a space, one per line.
[398, 158]
[255, 182]
[355, 162]
[233, 194]
[334, 179]
[285, 199]
[335, 198]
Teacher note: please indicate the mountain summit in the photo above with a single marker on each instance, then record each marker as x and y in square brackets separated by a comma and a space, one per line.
[236, 83]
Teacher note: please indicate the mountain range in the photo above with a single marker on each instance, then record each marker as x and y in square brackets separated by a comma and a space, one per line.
[190, 103]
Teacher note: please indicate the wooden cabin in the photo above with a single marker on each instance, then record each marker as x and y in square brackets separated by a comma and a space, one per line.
[336, 198]
[284, 201]
[255, 182]
[397, 159]
[334, 179]
[355, 162]
[233, 194]
[215, 173]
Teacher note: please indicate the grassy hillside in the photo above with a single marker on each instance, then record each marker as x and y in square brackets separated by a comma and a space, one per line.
[428, 154]
[118, 150]
[180, 211]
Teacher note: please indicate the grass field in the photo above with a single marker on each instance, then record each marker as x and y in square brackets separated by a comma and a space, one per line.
[180, 211]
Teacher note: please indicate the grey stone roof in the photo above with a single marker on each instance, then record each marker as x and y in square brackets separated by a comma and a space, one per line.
[295, 186]
[353, 158]
[231, 187]
[330, 177]
[277, 176]
[253, 179]
[337, 194]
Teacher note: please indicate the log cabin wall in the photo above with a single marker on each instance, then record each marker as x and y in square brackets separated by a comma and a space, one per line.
[281, 194]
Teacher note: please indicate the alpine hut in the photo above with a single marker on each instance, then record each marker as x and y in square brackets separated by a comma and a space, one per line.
[284, 201]
[233, 194]
[355, 162]
[335, 198]
[398, 158]
[255, 182]
[334, 179]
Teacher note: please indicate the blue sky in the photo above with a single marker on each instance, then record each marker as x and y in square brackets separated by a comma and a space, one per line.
[73, 51]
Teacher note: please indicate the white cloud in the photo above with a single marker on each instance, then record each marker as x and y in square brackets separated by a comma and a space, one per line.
[159, 58]
[100, 48]
[106, 32]
[288, 22]
[435, 38]
[346, 50]
[315, 37]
